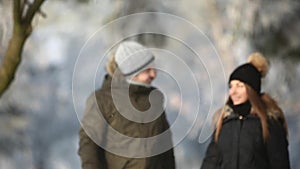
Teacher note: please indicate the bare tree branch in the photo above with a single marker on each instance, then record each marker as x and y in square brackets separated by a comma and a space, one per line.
[33, 8]
[23, 5]
[21, 30]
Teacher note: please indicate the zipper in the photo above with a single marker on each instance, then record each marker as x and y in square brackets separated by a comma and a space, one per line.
[241, 121]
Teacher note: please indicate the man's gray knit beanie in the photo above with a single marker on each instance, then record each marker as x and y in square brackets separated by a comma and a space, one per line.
[131, 57]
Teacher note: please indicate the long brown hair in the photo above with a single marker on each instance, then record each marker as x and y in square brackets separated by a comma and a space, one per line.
[261, 105]
[274, 110]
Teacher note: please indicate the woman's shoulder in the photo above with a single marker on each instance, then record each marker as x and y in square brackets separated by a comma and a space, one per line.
[225, 112]
[274, 112]
[275, 115]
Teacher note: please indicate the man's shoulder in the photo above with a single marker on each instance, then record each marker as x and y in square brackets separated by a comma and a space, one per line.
[102, 93]
[98, 96]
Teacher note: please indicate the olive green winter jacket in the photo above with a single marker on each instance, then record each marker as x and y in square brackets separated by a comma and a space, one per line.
[121, 129]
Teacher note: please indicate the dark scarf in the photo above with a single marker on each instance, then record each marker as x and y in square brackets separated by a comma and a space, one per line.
[241, 109]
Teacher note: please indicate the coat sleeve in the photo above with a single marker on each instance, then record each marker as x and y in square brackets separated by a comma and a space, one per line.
[168, 156]
[91, 155]
[212, 157]
[168, 159]
[92, 126]
[277, 146]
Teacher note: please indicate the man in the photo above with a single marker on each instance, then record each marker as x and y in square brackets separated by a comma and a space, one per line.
[124, 124]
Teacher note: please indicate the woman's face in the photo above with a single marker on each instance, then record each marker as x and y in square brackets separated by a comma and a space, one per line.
[237, 92]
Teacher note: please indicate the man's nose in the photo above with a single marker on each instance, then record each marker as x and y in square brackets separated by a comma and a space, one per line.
[153, 73]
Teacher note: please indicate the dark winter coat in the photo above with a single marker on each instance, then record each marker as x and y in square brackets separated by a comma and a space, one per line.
[94, 130]
[241, 145]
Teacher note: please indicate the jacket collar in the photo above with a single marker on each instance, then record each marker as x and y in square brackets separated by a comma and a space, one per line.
[228, 113]
[120, 83]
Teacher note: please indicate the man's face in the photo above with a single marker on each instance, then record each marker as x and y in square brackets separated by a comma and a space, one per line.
[145, 76]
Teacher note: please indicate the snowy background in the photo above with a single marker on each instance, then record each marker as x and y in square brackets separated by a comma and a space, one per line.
[39, 121]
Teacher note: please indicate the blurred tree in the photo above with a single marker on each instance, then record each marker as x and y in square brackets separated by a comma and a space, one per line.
[276, 29]
[23, 14]
[128, 7]
[83, 1]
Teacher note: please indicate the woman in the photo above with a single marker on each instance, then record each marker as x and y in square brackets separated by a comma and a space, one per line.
[251, 131]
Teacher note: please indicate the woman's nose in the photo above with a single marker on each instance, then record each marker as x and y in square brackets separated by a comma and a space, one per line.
[232, 90]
